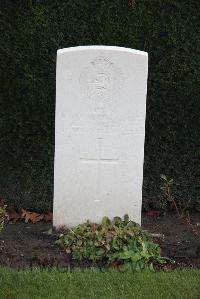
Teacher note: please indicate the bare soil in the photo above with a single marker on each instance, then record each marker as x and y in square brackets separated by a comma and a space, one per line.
[32, 245]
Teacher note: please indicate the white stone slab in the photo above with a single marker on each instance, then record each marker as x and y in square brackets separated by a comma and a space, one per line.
[99, 137]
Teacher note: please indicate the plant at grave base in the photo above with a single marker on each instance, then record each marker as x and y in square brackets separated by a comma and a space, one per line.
[182, 211]
[167, 188]
[114, 242]
[2, 216]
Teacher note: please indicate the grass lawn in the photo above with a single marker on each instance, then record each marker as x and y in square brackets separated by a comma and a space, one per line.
[93, 283]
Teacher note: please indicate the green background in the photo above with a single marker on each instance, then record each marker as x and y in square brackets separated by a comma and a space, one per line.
[31, 33]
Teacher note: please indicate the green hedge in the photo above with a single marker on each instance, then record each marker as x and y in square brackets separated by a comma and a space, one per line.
[31, 33]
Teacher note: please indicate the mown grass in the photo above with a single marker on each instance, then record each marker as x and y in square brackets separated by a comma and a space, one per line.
[93, 283]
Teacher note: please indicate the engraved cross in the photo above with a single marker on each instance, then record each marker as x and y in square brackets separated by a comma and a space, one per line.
[99, 161]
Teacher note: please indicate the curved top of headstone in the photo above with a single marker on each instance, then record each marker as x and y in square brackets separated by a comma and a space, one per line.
[107, 48]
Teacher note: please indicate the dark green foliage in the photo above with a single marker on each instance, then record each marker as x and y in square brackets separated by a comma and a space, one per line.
[31, 33]
[112, 241]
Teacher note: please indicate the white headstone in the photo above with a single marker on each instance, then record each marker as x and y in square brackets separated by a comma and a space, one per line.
[100, 129]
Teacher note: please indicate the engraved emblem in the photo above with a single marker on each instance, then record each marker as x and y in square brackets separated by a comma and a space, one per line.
[101, 79]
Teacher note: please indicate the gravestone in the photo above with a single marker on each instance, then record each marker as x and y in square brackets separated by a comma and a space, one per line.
[99, 133]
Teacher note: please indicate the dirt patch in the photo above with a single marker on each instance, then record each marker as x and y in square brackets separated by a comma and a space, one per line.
[180, 243]
[29, 245]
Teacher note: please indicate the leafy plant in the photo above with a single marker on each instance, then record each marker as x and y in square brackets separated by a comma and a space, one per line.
[121, 241]
[2, 217]
[182, 209]
[167, 187]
